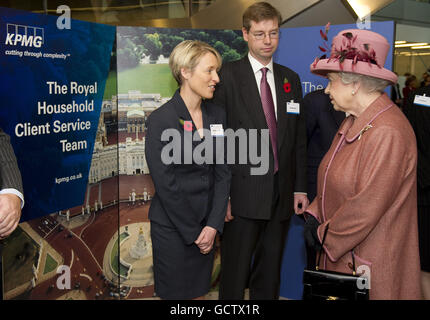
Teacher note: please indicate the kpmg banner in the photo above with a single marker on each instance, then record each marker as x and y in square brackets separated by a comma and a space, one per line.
[298, 48]
[52, 84]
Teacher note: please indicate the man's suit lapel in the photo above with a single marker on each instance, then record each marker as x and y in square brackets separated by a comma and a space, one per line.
[250, 94]
[282, 97]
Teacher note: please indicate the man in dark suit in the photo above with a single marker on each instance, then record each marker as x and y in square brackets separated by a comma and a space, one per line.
[259, 94]
[11, 198]
[322, 123]
[417, 110]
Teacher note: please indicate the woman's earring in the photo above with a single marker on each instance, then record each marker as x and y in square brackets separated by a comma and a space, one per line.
[353, 92]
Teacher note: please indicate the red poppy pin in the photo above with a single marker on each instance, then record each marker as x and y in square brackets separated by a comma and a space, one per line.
[188, 125]
[287, 85]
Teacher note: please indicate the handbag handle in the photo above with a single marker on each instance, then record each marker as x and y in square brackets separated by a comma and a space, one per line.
[322, 244]
[320, 254]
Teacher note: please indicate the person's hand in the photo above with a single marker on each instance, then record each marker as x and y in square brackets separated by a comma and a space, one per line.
[10, 213]
[301, 203]
[311, 234]
[228, 216]
[206, 239]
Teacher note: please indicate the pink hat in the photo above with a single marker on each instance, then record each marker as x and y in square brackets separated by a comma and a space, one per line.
[357, 51]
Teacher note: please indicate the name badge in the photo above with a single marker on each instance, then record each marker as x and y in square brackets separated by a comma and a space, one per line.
[293, 107]
[217, 130]
[422, 101]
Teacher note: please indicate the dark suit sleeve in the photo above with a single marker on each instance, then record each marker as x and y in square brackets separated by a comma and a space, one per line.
[311, 117]
[419, 118]
[10, 177]
[222, 172]
[222, 177]
[167, 188]
[301, 143]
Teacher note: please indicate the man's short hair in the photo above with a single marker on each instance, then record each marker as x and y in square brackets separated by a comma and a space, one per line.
[258, 12]
[187, 54]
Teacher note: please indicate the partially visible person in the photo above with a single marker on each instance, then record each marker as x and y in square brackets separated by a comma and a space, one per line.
[11, 194]
[410, 86]
[191, 194]
[11, 190]
[396, 94]
[322, 123]
[366, 201]
[418, 114]
[424, 79]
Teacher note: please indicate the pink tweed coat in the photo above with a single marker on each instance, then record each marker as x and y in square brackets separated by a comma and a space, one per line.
[367, 194]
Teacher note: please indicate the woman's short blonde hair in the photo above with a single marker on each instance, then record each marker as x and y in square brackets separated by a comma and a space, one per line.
[187, 55]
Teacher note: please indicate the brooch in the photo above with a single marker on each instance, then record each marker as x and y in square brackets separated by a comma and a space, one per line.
[364, 130]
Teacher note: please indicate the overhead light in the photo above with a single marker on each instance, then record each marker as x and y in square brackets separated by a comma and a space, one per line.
[364, 8]
[413, 54]
[421, 47]
[411, 44]
[400, 42]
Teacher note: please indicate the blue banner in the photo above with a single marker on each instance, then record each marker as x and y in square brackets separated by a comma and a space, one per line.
[52, 83]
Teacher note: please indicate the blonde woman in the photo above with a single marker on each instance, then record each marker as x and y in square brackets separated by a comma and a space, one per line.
[190, 200]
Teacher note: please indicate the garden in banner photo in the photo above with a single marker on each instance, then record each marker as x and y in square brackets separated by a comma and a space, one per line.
[145, 83]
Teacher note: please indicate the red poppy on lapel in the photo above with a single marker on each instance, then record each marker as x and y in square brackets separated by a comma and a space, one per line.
[287, 85]
[188, 125]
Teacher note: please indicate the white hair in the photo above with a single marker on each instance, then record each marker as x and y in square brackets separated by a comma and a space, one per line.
[370, 84]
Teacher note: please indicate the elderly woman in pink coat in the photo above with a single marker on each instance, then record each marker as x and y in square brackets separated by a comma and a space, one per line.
[367, 180]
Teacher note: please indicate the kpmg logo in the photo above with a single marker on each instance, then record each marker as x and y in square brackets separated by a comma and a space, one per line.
[24, 36]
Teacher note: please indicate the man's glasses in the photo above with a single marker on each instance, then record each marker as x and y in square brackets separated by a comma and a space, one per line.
[262, 35]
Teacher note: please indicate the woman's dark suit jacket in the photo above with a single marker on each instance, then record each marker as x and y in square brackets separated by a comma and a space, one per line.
[187, 197]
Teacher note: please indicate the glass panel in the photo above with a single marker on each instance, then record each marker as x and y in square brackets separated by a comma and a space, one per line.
[115, 12]
[198, 5]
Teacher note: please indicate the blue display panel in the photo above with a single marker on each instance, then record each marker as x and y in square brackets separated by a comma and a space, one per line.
[52, 83]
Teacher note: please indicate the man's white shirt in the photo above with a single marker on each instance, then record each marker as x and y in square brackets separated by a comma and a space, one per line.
[256, 68]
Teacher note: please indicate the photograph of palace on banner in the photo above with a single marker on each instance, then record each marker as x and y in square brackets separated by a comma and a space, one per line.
[109, 257]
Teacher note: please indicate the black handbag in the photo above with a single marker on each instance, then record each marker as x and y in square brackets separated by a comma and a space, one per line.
[331, 285]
